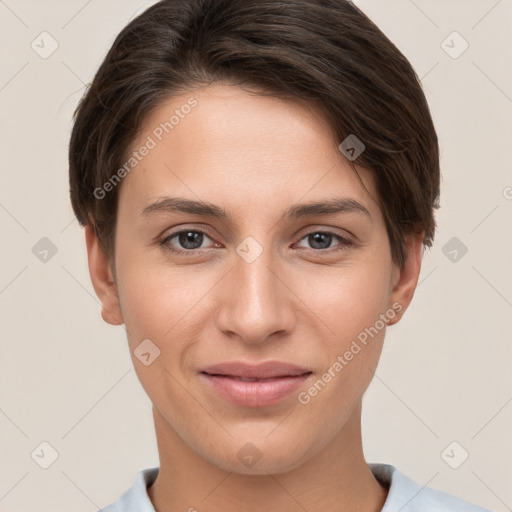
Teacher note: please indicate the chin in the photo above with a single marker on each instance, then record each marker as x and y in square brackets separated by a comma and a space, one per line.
[260, 457]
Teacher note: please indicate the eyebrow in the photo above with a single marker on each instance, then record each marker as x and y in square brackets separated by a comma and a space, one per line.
[296, 211]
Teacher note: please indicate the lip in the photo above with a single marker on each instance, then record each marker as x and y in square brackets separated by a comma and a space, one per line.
[273, 381]
[266, 370]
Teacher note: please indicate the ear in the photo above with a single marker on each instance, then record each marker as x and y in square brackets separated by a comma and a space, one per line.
[405, 279]
[102, 278]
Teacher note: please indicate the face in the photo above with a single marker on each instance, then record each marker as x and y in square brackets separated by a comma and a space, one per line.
[250, 275]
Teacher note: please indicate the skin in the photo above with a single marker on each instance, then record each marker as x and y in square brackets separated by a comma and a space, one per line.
[253, 156]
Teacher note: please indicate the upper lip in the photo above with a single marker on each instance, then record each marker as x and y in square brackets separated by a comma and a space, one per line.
[266, 370]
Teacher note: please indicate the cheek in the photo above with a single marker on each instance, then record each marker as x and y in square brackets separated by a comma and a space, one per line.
[350, 303]
[346, 299]
[167, 304]
[157, 302]
[159, 305]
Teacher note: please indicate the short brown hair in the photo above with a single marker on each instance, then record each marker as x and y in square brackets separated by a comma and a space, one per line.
[324, 51]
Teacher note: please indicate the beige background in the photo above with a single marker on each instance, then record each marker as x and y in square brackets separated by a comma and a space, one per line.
[66, 377]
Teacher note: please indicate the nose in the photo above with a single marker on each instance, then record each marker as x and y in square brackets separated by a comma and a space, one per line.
[257, 302]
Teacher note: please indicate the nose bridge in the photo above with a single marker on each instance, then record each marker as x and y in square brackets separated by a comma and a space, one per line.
[256, 304]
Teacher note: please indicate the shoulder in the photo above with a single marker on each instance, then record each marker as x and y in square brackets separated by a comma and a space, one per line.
[136, 498]
[408, 496]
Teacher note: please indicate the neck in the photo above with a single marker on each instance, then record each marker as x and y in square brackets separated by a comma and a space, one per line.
[336, 478]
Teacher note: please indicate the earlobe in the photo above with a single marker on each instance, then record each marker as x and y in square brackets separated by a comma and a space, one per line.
[405, 279]
[102, 278]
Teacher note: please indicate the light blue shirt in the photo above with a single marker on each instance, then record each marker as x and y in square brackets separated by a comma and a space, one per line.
[404, 494]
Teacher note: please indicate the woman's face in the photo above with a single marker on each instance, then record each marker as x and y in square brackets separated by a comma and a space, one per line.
[259, 278]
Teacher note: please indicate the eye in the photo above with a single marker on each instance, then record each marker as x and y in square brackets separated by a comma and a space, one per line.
[187, 240]
[320, 240]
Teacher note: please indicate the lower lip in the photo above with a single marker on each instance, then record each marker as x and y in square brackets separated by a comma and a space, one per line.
[255, 393]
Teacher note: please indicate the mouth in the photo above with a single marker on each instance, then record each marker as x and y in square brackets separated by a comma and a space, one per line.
[255, 379]
[261, 371]
[254, 385]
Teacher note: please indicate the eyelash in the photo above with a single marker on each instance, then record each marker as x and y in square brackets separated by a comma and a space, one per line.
[344, 242]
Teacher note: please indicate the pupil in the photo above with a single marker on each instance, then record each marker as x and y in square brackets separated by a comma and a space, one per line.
[190, 239]
[321, 240]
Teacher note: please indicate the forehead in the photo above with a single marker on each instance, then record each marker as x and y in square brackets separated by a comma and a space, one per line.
[213, 142]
